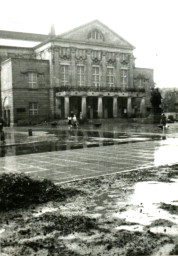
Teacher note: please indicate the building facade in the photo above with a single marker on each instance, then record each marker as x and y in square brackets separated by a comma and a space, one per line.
[89, 71]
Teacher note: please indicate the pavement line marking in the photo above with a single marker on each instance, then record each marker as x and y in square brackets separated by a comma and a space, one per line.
[117, 156]
[101, 156]
[125, 171]
[40, 171]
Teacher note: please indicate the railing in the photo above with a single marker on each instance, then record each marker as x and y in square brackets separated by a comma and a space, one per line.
[99, 89]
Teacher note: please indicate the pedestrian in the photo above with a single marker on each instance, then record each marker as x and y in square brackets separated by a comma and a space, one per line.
[2, 134]
[74, 121]
[69, 120]
[163, 121]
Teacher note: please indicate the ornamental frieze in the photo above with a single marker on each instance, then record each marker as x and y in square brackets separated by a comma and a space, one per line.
[111, 58]
[96, 55]
[124, 58]
[65, 53]
[80, 54]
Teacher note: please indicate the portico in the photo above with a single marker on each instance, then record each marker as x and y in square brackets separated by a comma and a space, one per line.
[96, 104]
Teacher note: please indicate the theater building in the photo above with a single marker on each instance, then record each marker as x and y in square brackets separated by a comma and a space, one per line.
[89, 71]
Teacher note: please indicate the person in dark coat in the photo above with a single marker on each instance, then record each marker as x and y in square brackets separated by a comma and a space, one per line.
[2, 135]
[163, 121]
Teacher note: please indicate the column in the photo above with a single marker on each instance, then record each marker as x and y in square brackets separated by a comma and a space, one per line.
[89, 69]
[58, 107]
[129, 107]
[104, 70]
[100, 107]
[117, 84]
[51, 103]
[66, 106]
[142, 108]
[73, 69]
[84, 106]
[56, 67]
[131, 64]
[115, 107]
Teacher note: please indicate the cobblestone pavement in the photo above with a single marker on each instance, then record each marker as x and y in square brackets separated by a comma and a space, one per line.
[68, 165]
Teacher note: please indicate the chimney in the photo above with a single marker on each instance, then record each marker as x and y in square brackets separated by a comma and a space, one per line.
[52, 33]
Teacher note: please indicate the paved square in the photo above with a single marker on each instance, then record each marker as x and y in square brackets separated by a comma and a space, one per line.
[68, 165]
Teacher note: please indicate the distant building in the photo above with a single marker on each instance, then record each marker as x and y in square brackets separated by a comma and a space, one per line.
[89, 70]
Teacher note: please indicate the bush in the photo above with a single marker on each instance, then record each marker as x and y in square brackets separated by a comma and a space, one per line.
[19, 190]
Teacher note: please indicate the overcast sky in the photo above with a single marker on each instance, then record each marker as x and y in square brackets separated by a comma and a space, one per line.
[149, 25]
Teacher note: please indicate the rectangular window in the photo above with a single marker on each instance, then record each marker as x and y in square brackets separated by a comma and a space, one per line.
[96, 76]
[32, 80]
[110, 77]
[80, 75]
[33, 108]
[124, 77]
[65, 74]
[20, 110]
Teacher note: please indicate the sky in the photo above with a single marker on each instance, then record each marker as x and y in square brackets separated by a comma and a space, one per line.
[149, 25]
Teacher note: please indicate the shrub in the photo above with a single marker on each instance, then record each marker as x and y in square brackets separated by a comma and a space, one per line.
[19, 190]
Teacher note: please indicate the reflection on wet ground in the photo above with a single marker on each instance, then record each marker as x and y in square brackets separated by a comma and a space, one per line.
[66, 139]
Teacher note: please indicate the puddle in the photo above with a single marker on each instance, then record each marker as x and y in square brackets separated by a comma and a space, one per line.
[145, 201]
[173, 231]
[63, 140]
[130, 228]
[166, 152]
[44, 210]
[2, 231]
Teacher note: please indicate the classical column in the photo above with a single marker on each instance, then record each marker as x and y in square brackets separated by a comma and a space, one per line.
[115, 107]
[73, 69]
[56, 67]
[142, 108]
[104, 70]
[129, 106]
[58, 107]
[89, 69]
[51, 102]
[100, 107]
[84, 106]
[118, 83]
[66, 106]
[131, 65]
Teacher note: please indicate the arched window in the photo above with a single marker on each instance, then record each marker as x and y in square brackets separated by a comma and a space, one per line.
[95, 35]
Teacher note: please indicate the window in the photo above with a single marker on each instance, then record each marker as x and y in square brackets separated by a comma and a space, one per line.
[95, 35]
[33, 108]
[20, 110]
[65, 74]
[80, 75]
[32, 80]
[110, 77]
[124, 76]
[96, 76]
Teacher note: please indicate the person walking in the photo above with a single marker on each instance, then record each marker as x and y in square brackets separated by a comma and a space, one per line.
[163, 121]
[2, 134]
[75, 121]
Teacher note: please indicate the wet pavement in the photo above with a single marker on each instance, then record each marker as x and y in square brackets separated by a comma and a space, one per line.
[63, 154]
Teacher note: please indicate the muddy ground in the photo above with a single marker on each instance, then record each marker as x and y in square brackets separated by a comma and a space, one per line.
[132, 213]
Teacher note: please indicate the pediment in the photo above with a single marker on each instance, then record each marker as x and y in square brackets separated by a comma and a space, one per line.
[96, 32]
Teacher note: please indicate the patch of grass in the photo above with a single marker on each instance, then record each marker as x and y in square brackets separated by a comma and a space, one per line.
[173, 209]
[67, 225]
[19, 190]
